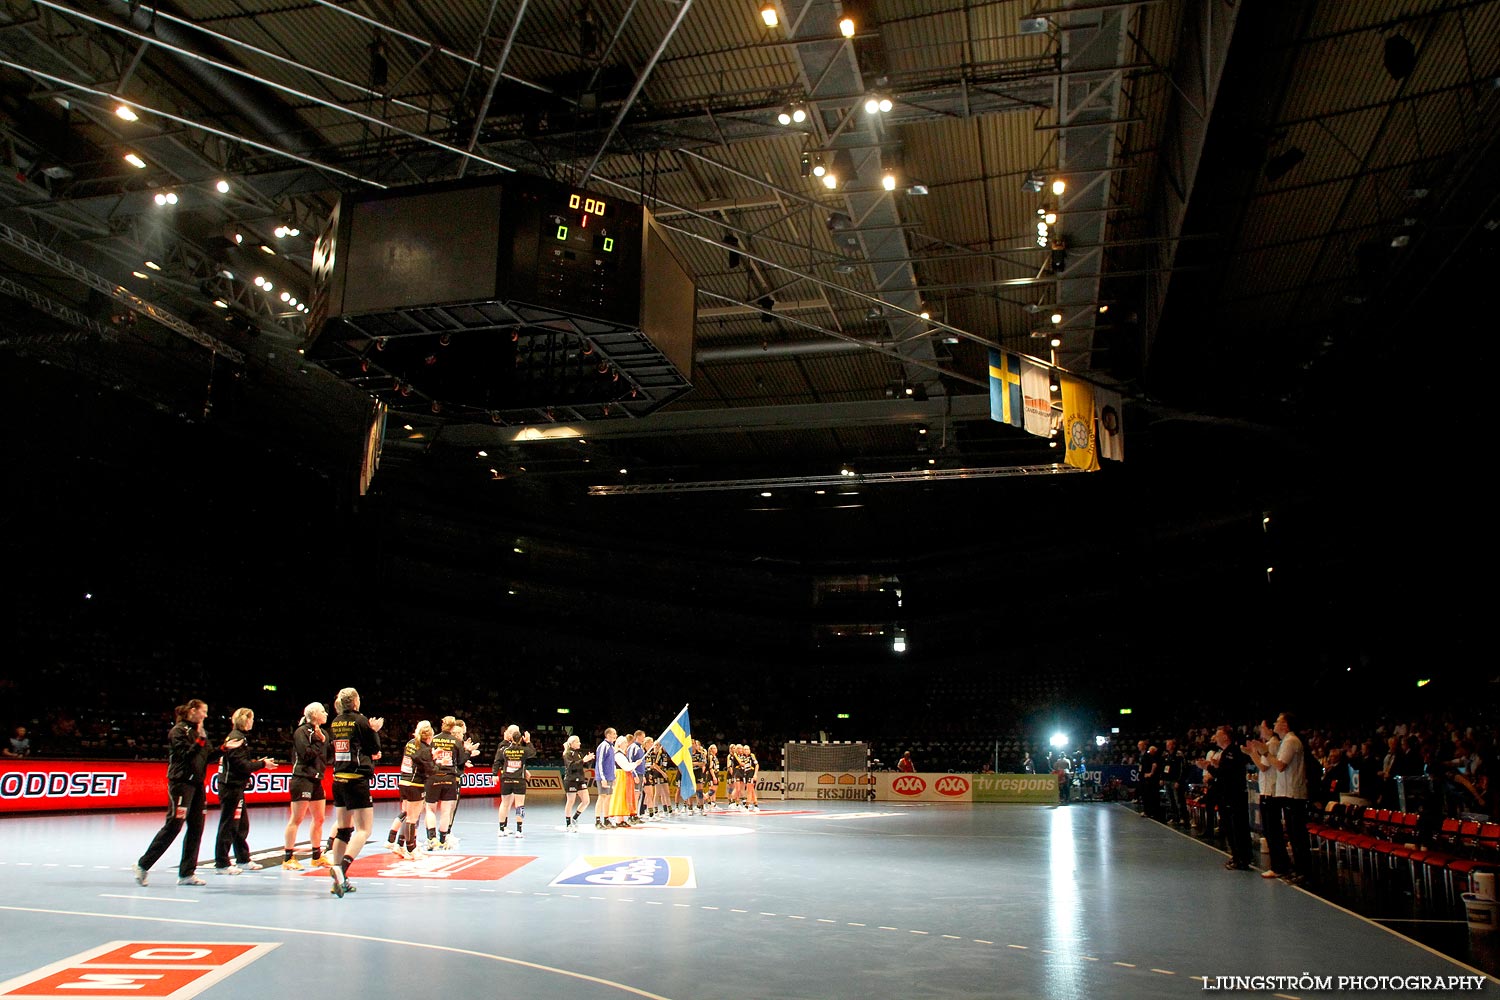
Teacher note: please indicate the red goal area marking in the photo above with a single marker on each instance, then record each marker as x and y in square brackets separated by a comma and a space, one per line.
[163, 969]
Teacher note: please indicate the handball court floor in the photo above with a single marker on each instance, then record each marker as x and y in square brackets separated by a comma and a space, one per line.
[802, 900]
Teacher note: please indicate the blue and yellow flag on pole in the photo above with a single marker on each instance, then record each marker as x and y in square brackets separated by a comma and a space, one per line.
[1005, 388]
[677, 742]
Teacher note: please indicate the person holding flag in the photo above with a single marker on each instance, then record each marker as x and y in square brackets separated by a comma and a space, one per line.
[677, 744]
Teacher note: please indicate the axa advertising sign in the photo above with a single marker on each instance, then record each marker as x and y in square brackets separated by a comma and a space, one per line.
[923, 787]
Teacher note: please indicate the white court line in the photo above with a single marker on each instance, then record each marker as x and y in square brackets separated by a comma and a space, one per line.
[583, 977]
[154, 899]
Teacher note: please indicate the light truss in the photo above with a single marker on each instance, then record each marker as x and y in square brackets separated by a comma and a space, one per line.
[859, 479]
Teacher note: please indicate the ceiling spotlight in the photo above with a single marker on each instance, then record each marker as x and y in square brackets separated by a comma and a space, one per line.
[877, 104]
[768, 15]
[135, 161]
[153, 265]
[1054, 385]
[819, 167]
[830, 180]
[1055, 342]
[161, 199]
[846, 26]
[239, 238]
[1059, 186]
[765, 493]
[799, 113]
[259, 281]
[266, 249]
[127, 113]
[223, 187]
[1050, 218]
[292, 300]
[925, 314]
[1103, 309]
[285, 296]
[268, 286]
[280, 232]
[888, 180]
[1056, 318]
[784, 116]
[140, 274]
[221, 303]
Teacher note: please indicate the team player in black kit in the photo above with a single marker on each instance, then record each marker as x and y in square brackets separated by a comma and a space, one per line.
[416, 771]
[356, 748]
[188, 757]
[309, 760]
[510, 767]
[575, 782]
[450, 755]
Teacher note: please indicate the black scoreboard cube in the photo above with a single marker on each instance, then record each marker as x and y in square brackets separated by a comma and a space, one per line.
[513, 299]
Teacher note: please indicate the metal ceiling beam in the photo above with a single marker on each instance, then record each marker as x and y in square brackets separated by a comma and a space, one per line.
[635, 91]
[1088, 119]
[806, 482]
[1198, 69]
[742, 419]
[79, 273]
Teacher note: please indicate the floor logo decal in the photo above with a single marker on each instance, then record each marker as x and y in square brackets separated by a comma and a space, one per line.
[605, 871]
[174, 970]
[435, 867]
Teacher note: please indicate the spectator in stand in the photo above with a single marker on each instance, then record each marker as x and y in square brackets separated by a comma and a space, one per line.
[1291, 793]
[1174, 780]
[904, 764]
[1150, 783]
[1262, 753]
[1335, 783]
[1466, 784]
[1226, 788]
[1364, 774]
[1028, 766]
[19, 745]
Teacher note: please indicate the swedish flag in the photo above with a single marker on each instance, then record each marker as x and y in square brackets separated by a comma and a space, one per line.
[677, 741]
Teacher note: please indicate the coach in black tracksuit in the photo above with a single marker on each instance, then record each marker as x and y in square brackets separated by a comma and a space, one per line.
[188, 757]
[234, 779]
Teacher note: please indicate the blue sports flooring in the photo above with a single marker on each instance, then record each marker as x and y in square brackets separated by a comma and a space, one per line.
[803, 900]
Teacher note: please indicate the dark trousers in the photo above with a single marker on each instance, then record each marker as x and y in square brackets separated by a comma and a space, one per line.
[1177, 811]
[1234, 822]
[1294, 820]
[185, 805]
[1270, 825]
[1151, 799]
[234, 828]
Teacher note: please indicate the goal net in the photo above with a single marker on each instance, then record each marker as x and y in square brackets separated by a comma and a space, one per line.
[826, 771]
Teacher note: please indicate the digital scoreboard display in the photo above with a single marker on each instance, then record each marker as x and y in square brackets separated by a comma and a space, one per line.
[583, 227]
[588, 251]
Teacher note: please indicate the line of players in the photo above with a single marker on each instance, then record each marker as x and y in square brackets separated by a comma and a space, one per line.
[636, 781]
[635, 778]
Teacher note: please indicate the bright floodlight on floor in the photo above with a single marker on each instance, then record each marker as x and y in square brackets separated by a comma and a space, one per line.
[1059, 740]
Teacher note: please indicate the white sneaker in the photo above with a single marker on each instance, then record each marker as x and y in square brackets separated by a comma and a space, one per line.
[231, 870]
[140, 875]
[191, 880]
[252, 866]
[520, 835]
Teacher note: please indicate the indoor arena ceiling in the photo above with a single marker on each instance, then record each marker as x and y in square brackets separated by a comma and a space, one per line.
[1224, 235]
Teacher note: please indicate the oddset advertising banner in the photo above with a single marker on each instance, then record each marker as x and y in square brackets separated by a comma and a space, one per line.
[56, 786]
